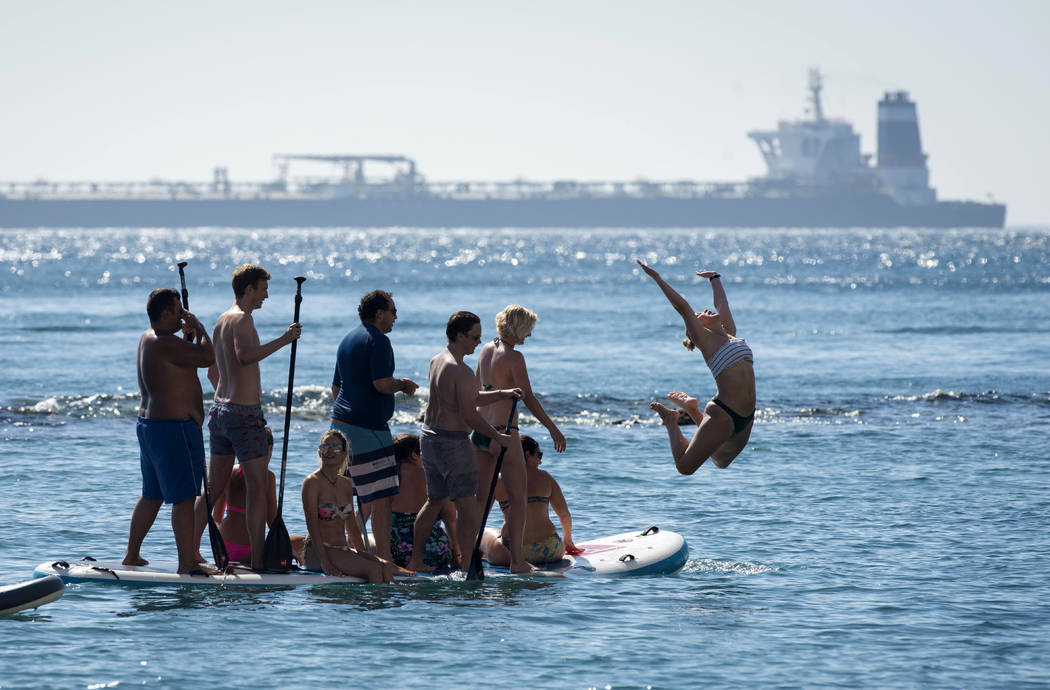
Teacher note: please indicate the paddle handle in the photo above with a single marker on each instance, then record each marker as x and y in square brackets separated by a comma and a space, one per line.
[474, 571]
[185, 292]
[299, 280]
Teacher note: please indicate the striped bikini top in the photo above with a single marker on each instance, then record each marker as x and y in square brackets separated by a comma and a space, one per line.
[733, 352]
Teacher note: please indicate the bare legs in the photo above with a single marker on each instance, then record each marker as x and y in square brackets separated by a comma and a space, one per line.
[142, 518]
[360, 564]
[713, 430]
[255, 484]
[514, 480]
[421, 531]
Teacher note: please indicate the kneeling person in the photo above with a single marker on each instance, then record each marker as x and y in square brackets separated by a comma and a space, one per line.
[542, 544]
[438, 553]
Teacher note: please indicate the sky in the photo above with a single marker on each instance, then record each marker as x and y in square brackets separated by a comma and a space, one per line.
[584, 90]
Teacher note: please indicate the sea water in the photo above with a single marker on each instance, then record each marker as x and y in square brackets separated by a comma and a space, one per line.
[886, 526]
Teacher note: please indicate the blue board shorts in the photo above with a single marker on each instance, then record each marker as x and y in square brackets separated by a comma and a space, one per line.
[238, 430]
[171, 455]
[449, 463]
[372, 465]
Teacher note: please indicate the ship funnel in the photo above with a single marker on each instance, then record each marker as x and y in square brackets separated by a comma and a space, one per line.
[901, 162]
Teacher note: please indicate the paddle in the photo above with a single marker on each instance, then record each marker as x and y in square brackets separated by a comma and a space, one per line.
[218, 546]
[277, 551]
[474, 571]
[185, 293]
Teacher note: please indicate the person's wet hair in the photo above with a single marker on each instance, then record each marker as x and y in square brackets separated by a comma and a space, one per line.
[335, 433]
[460, 322]
[405, 445]
[372, 303]
[247, 275]
[159, 301]
[529, 445]
[515, 322]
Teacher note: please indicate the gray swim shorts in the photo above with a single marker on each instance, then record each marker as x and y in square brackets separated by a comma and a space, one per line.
[449, 463]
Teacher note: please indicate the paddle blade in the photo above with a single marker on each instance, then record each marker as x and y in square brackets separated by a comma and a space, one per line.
[218, 546]
[474, 571]
[277, 551]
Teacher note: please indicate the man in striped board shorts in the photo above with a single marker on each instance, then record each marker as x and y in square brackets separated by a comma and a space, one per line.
[363, 390]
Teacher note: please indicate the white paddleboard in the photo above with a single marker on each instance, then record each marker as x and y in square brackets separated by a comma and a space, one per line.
[30, 594]
[652, 552]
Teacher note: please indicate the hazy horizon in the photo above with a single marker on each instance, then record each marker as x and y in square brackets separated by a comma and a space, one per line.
[473, 91]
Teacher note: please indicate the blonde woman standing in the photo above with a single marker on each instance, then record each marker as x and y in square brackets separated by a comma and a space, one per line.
[502, 366]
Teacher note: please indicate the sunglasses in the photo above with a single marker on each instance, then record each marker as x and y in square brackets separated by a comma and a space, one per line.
[337, 447]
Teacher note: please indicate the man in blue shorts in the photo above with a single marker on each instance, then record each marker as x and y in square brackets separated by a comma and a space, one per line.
[171, 447]
[363, 390]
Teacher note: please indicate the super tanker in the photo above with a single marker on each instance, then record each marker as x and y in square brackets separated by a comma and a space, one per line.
[817, 177]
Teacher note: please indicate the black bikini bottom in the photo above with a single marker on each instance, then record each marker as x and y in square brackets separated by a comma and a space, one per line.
[739, 421]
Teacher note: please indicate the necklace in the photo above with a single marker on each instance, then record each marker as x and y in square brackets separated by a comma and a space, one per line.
[330, 481]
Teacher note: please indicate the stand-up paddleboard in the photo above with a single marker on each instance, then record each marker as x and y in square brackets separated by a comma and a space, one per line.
[164, 574]
[30, 594]
[652, 552]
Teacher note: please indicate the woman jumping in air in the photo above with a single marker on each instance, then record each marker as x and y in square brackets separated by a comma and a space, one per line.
[724, 426]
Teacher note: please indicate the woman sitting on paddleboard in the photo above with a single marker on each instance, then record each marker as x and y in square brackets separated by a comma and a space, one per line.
[233, 527]
[542, 542]
[724, 426]
[328, 503]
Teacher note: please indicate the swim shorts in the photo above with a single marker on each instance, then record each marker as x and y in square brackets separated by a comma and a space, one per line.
[171, 456]
[238, 430]
[436, 552]
[542, 551]
[372, 465]
[449, 463]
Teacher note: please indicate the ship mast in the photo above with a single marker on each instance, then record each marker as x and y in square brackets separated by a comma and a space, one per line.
[816, 84]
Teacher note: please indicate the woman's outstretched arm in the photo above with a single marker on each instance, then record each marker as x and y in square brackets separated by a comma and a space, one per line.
[721, 303]
[677, 301]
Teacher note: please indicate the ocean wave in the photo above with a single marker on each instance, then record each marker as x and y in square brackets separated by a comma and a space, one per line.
[940, 396]
[314, 403]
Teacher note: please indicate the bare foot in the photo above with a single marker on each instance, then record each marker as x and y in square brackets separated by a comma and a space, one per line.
[398, 570]
[201, 570]
[199, 558]
[687, 403]
[523, 567]
[414, 568]
[138, 560]
[667, 415]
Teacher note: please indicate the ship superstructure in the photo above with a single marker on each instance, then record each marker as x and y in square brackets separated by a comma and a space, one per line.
[817, 176]
[818, 154]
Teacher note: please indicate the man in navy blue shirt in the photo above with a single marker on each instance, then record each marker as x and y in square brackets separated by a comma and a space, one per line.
[363, 389]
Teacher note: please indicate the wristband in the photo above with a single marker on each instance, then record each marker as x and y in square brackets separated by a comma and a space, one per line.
[717, 275]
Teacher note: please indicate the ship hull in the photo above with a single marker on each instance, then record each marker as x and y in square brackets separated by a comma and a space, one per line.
[429, 212]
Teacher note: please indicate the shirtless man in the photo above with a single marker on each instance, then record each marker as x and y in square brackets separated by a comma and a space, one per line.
[235, 421]
[448, 456]
[171, 446]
